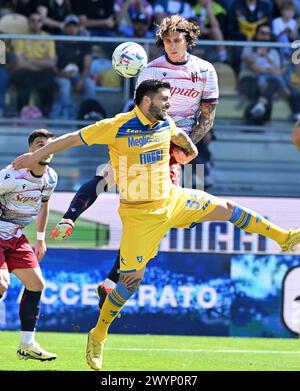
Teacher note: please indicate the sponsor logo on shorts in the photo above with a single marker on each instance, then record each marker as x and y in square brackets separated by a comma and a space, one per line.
[196, 203]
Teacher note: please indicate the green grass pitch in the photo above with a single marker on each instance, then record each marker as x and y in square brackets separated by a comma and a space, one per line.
[87, 234]
[153, 353]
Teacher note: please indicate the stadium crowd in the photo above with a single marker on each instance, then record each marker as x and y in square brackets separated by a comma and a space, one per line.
[55, 70]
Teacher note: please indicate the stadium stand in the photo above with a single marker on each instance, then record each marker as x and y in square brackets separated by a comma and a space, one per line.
[231, 175]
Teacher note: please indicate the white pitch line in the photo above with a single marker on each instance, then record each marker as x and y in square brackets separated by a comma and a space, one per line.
[225, 351]
[207, 351]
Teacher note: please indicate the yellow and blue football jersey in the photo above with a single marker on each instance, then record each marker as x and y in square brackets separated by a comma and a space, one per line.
[139, 153]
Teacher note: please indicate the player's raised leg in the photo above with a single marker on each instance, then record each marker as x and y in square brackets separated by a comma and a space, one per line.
[109, 283]
[197, 206]
[29, 315]
[252, 222]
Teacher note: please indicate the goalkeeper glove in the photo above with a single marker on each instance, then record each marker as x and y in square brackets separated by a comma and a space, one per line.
[63, 228]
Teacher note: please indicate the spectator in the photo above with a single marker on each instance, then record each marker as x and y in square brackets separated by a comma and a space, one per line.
[208, 13]
[278, 4]
[141, 27]
[35, 64]
[24, 7]
[126, 11]
[164, 8]
[97, 16]
[3, 88]
[245, 16]
[285, 29]
[226, 4]
[297, 7]
[73, 69]
[261, 77]
[8, 62]
[53, 13]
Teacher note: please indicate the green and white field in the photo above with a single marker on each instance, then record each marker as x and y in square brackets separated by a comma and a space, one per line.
[158, 353]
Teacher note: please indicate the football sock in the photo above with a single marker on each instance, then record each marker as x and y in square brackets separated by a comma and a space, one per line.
[253, 222]
[113, 275]
[27, 337]
[108, 285]
[113, 304]
[85, 197]
[29, 310]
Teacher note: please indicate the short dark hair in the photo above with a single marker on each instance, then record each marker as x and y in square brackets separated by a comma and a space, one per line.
[39, 133]
[149, 88]
[261, 26]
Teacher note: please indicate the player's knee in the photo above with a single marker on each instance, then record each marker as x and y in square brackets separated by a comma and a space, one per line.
[37, 285]
[230, 206]
[131, 284]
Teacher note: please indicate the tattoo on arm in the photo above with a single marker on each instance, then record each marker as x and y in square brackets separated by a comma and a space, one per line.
[206, 122]
[129, 282]
[182, 140]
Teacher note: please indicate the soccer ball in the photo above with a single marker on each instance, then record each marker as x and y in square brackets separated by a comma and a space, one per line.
[129, 59]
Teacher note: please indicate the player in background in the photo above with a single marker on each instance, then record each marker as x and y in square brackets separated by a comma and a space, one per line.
[24, 196]
[150, 205]
[194, 95]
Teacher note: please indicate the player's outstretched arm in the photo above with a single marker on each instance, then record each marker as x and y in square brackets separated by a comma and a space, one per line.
[67, 141]
[83, 199]
[206, 121]
[64, 228]
[187, 150]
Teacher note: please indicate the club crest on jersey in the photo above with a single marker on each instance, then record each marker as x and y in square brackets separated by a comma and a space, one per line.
[164, 74]
[139, 258]
[194, 76]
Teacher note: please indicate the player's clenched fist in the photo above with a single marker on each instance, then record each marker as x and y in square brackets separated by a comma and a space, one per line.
[64, 228]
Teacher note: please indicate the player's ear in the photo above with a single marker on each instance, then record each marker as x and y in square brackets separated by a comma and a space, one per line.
[296, 136]
[147, 99]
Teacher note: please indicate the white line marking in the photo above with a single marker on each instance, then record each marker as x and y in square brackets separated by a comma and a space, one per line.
[225, 351]
[229, 351]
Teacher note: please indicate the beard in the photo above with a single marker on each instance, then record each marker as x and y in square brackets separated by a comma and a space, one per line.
[157, 113]
[45, 162]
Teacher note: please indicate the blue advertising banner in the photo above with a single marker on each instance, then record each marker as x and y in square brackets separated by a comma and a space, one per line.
[181, 293]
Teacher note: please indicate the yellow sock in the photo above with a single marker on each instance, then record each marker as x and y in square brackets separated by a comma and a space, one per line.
[112, 305]
[253, 222]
